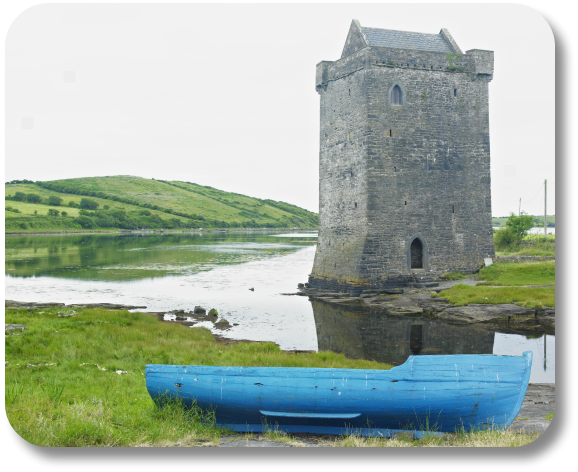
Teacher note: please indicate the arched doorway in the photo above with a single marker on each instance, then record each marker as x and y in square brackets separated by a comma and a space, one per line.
[416, 254]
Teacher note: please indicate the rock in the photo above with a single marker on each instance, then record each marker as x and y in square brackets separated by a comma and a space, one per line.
[478, 312]
[252, 289]
[13, 327]
[300, 286]
[199, 310]
[213, 312]
[222, 324]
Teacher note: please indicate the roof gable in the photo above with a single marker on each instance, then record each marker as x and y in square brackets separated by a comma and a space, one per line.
[360, 37]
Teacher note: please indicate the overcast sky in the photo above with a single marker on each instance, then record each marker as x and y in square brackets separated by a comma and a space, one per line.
[224, 95]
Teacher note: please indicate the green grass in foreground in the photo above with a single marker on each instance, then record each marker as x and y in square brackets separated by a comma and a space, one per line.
[57, 393]
[519, 273]
[524, 296]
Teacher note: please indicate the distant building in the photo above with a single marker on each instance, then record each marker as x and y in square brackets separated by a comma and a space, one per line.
[404, 160]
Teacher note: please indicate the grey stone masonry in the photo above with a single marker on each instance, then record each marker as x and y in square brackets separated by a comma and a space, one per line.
[404, 160]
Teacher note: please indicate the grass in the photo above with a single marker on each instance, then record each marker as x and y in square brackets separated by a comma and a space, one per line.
[172, 199]
[549, 416]
[62, 388]
[536, 298]
[489, 438]
[519, 273]
[530, 245]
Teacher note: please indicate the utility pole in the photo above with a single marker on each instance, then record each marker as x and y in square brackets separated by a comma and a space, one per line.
[545, 217]
[520, 207]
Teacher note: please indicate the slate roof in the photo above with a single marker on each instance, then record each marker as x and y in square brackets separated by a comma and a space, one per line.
[407, 40]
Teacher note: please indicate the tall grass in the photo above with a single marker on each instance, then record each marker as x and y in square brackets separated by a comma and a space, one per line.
[62, 388]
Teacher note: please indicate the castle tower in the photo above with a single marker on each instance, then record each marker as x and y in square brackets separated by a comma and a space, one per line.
[404, 160]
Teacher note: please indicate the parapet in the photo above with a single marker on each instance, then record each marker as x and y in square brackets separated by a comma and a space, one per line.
[481, 62]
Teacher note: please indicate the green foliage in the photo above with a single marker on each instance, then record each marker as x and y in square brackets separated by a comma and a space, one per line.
[33, 198]
[13, 210]
[85, 222]
[520, 225]
[64, 213]
[73, 204]
[504, 238]
[88, 204]
[54, 200]
[23, 225]
[19, 196]
[53, 212]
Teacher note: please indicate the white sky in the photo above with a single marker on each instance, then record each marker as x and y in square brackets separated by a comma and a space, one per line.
[224, 95]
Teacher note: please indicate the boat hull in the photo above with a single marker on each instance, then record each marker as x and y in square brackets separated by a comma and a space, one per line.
[425, 394]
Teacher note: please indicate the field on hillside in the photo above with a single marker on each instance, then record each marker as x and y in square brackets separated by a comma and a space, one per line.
[147, 204]
[501, 221]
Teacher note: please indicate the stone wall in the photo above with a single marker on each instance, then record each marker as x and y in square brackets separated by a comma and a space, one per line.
[389, 174]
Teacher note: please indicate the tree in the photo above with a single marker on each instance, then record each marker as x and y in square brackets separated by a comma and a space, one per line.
[53, 212]
[88, 204]
[20, 196]
[85, 222]
[63, 213]
[54, 200]
[72, 204]
[519, 225]
[33, 198]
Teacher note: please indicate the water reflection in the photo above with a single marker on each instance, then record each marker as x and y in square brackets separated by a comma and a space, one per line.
[132, 257]
[360, 333]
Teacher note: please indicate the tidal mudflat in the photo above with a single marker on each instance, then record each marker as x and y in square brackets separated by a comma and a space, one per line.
[174, 272]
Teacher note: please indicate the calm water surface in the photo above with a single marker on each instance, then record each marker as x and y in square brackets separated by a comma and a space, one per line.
[216, 270]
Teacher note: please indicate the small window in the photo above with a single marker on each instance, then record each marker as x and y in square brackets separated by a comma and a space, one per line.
[396, 95]
[455, 92]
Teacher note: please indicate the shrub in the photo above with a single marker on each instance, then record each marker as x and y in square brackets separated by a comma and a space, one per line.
[54, 200]
[64, 213]
[88, 204]
[503, 238]
[23, 225]
[84, 221]
[53, 212]
[19, 196]
[519, 225]
[33, 198]
[106, 207]
[72, 204]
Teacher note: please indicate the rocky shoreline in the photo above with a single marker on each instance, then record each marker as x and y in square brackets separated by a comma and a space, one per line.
[416, 299]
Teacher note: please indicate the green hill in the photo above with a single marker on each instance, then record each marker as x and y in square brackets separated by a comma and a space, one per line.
[539, 219]
[128, 202]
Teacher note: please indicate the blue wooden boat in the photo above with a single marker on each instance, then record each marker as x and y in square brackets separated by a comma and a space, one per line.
[427, 394]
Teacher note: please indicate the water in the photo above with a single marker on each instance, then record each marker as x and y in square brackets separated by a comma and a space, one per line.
[533, 230]
[180, 271]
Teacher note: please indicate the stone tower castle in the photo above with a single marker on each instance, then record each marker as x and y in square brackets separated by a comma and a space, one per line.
[404, 160]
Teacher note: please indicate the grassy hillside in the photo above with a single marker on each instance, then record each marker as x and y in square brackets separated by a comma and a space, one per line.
[134, 202]
[550, 219]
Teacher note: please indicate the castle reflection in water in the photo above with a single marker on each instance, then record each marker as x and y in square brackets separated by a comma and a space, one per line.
[359, 333]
